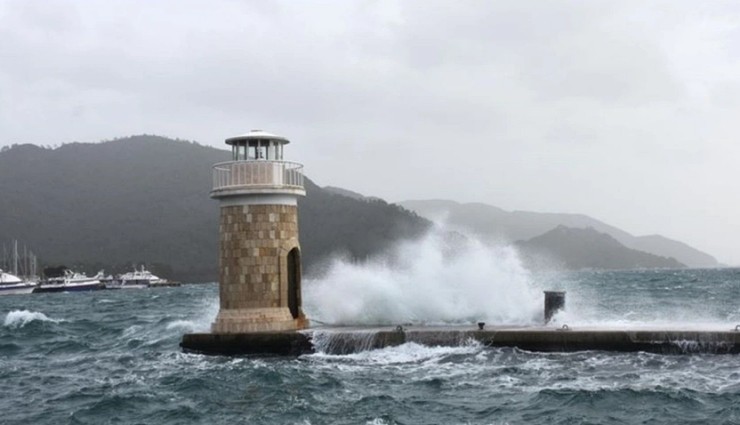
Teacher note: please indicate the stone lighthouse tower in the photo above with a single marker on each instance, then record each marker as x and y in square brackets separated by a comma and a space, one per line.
[259, 253]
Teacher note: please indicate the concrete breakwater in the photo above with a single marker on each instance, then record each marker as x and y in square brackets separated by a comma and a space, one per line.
[543, 339]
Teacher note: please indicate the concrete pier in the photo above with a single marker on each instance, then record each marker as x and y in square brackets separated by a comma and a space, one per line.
[540, 339]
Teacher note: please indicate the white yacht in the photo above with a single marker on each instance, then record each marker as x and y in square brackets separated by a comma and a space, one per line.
[72, 282]
[12, 284]
[141, 278]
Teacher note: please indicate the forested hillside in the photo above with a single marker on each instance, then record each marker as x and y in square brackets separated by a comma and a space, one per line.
[144, 200]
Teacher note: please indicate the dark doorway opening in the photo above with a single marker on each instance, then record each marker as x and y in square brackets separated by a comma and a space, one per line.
[294, 281]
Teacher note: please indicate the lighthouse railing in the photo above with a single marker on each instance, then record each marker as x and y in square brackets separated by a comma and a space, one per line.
[257, 173]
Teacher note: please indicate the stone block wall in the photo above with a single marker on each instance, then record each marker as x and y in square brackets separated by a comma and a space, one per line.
[253, 283]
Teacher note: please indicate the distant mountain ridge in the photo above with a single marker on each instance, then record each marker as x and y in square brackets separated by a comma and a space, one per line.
[494, 223]
[574, 248]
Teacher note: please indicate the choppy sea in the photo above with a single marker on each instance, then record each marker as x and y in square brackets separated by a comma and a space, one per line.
[113, 357]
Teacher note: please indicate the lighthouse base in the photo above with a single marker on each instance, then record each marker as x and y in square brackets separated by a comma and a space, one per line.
[233, 321]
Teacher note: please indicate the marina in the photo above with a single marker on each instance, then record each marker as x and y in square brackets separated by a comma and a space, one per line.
[22, 279]
[72, 281]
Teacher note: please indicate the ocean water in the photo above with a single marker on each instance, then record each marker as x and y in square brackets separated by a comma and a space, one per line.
[113, 357]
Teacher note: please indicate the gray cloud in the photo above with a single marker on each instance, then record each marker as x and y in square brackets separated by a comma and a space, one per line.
[625, 111]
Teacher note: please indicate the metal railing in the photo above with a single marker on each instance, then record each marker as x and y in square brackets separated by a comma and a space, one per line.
[257, 173]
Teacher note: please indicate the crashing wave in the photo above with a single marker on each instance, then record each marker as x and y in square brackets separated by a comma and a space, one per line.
[20, 318]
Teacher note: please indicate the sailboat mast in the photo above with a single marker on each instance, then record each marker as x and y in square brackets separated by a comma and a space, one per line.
[33, 265]
[15, 257]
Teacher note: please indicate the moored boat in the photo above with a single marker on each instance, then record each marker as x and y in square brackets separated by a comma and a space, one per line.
[13, 285]
[141, 278]
[72, 282]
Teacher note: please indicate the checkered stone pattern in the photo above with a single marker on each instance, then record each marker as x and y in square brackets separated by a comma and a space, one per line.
[253, 284]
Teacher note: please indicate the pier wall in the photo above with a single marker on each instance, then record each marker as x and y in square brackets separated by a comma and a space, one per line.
[343, 341]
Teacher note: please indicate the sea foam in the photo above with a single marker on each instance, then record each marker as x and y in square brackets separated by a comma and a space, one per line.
[187, 325]
[20, 318]
[409, 352]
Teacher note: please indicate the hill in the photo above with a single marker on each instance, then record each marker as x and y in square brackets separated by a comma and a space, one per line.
[588, 249]
[144, 199]
[493, 223]
[358, 228]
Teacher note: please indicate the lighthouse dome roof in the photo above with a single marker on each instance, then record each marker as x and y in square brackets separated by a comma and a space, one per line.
[257, 135]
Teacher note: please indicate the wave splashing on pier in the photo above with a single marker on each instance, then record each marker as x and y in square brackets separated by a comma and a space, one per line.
[436, 280]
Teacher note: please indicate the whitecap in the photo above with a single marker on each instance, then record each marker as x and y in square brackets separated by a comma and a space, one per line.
[132, 331]
[20, 318]
[185, 324]
[409, 352]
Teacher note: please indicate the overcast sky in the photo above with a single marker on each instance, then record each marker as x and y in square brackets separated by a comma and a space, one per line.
[627, 111]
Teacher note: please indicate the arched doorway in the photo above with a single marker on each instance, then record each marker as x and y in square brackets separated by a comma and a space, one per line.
[294, 281]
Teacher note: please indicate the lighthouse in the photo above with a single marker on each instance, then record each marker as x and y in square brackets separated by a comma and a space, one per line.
[259, 252]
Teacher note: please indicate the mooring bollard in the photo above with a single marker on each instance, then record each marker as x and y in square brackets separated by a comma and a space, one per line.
[554, 302]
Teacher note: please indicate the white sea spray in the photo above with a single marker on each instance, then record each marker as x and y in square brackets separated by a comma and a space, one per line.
[430, 280]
